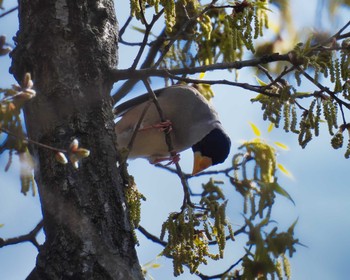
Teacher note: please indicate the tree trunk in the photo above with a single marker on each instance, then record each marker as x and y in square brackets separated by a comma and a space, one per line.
[69, 47]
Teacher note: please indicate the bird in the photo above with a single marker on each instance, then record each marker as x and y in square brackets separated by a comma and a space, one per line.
[191, 122]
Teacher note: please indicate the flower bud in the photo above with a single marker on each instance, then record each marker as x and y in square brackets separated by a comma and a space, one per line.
[61, 158]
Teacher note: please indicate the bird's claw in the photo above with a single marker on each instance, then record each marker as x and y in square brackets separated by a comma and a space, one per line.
[166, 126]
[173, 159]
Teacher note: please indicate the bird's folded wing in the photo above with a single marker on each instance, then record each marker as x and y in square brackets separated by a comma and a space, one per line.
[126, 106]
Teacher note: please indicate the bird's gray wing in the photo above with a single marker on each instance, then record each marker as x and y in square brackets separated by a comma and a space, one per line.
[126, 106]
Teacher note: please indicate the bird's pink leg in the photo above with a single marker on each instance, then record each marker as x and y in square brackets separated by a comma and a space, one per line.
[162, 126]
[174, 158]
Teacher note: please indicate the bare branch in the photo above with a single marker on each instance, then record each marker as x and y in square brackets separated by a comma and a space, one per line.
[219, 276]
[323, 88]
[125, 74]
[8, 12]
[151, 237]
[191, 20]
[285, 71]
[32, 141]
[152, 53]
[266, 72]
[30, 237]
[246, 86]
[172, 73]
[145, 37]
[346, 35]
[187, 197]
[338, 34]
[128, 85]
[203, 173]
[122, 31]
[157, 240]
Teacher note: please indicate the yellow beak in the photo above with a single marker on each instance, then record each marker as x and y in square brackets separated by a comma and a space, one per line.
[200, 163]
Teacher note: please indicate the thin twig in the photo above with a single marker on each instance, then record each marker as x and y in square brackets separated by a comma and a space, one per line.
[342, 114]
[173, 39]
[187, 197]
[126, 24]
[203, 173]
[122, 41]
[152, 53]
[145, 37]
[146, 72]
[134, 133]
[151, 237]
[346, 35]
[157, 240]
[300, 106]
[247, 86]
[285, 71]
[323, 88]
[266, 72]
[8, 12]
[125, 74]
[122, 31]
[26, 139]
[336, 35]
[217, 276]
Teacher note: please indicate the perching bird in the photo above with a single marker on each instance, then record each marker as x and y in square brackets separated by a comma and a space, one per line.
[193, 123]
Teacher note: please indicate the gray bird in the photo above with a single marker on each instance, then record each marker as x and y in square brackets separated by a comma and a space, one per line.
[194, 123]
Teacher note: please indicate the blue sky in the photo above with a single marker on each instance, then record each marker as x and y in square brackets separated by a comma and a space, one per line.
[319, 188]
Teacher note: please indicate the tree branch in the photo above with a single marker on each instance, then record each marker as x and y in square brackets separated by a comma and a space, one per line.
[26, 139]
[29, 237]
[246, 86]
[152, 52]
[122, 31]
[338, 35]
[191, 20]
[151, 237]
[128, 85]
[136, 75]
[8, 12]
[125, 74]
[187, 197]
[157, 240]
[149, 27]
[323, 88]
[220, 275]
[203, 173]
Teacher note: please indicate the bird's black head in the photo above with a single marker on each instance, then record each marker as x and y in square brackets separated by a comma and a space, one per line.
[215, 145]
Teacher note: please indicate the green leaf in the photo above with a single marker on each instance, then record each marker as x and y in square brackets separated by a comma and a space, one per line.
[141, 30]
[302, 94]
[255, 129]
[271, 126]
[291, 228]
[278, 189]
[155, 265]
[284, 170]
[260, 82]
[281, 145]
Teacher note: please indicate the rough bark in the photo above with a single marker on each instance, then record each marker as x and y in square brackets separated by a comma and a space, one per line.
[70, 46]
